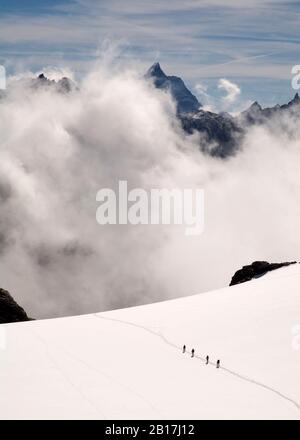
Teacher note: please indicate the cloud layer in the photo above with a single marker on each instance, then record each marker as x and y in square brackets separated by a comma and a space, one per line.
[232, 91]
[57, 151]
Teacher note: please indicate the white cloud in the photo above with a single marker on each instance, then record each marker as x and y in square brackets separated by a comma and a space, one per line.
[204, 97]
[233, 91]
[201, 89]
[56, 73]
[58, 151]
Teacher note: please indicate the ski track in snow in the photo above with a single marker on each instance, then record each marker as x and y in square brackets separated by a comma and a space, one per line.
[226, 370]
[66, 377]
[87, 365]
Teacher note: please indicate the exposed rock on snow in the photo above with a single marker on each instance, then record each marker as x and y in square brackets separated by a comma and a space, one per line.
[10, 311]
[128, 364]
[254, 270]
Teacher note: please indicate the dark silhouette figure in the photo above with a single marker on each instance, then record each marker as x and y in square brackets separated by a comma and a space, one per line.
[184, 349]
[207, 360]
[193, 353]
[218, 364]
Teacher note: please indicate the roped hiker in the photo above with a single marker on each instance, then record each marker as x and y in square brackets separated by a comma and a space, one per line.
[218, 363]
[184, 349]
[207, 360]
[193, 353]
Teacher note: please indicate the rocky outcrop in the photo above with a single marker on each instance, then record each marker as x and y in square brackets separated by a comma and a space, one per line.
[256, 115]
[256, 270]
[10, 311]
[64, 85]
[220, 133]
[186, 102]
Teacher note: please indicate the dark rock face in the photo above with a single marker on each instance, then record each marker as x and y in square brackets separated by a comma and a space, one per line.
[221, 135]
[185, 100]
[64, 85]
[258, 115]
[10, 311]
[256, 270]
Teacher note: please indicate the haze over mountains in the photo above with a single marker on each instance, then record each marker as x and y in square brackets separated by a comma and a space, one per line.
[221, 134]
[58, 150]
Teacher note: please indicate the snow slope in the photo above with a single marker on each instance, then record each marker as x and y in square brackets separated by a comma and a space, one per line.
[128, 363]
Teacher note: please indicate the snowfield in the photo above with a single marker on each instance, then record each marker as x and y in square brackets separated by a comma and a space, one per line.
[128, 364]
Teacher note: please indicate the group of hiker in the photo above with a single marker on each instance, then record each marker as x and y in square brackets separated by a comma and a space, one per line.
[218, 364]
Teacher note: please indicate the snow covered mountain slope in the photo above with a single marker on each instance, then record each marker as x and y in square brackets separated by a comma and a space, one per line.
[129, 363]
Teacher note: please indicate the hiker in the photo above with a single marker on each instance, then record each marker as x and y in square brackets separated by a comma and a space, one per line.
[218, 364]
[184, 349]
[207, 360]
[193, 353]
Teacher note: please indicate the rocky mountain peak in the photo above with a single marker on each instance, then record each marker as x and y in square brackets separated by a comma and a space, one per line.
[185, 101]
[156, 71]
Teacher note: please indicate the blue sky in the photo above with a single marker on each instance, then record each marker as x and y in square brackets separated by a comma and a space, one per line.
[254, 44]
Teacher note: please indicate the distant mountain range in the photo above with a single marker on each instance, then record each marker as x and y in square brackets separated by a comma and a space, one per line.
[221, 134]
[258, 115]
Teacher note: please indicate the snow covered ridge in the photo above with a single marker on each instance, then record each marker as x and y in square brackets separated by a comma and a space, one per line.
[128, 364]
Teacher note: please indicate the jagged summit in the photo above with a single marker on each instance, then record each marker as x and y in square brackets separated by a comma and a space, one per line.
[295, 100]
[64, 85]
[156, 70]
[256, 105]
[185, 100]
[256, 114]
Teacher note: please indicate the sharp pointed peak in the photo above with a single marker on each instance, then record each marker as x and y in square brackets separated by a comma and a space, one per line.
[156, 70]
[255, 105]
[295, 100]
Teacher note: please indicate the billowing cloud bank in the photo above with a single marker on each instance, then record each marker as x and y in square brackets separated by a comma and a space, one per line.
[57, 151]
